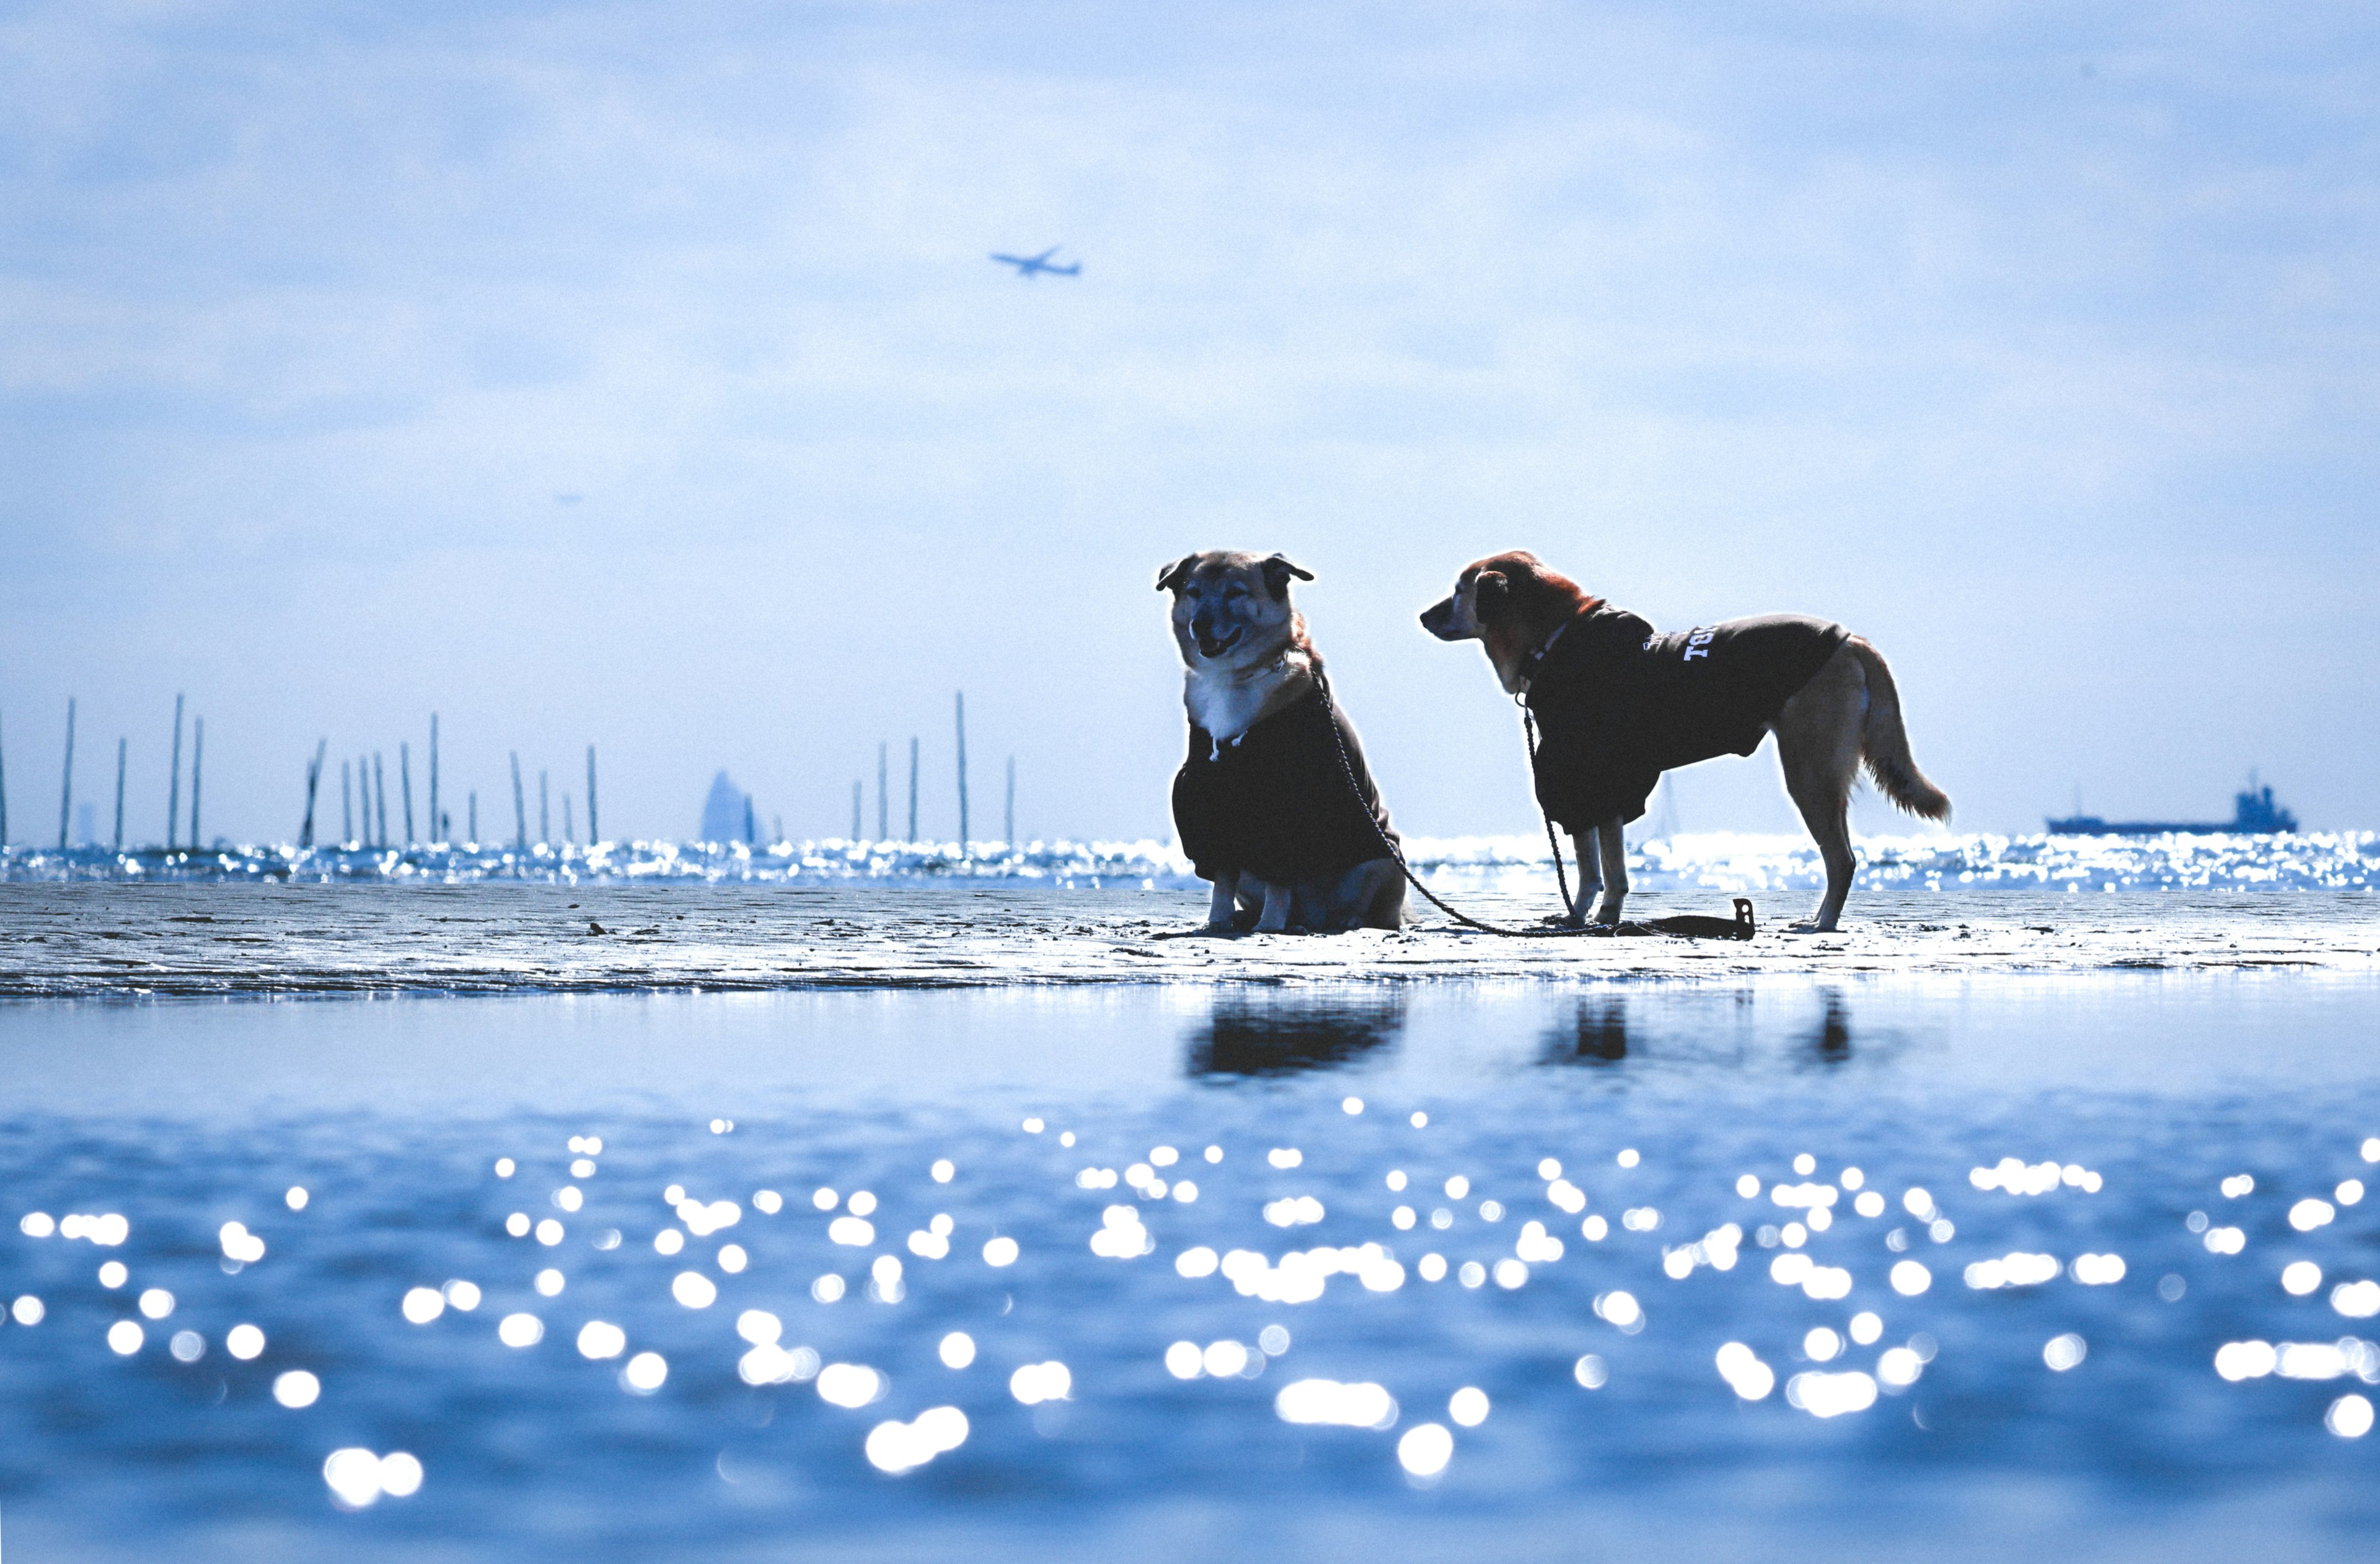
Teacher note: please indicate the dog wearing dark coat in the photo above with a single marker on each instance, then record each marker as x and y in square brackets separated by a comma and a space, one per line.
[1265, 802]
[1619, 703]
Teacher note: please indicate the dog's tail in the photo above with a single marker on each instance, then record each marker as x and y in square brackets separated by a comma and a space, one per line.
[1884, 742]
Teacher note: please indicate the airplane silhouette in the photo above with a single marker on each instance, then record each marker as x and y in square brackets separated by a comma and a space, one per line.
[1033, 265]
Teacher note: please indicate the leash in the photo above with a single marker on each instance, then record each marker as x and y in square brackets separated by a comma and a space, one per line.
[1691, 926]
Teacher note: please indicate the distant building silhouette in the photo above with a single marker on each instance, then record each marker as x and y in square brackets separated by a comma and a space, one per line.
[727, 812]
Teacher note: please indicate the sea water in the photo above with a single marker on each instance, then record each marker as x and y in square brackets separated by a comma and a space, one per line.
[1720, 861]
[2070, 1268]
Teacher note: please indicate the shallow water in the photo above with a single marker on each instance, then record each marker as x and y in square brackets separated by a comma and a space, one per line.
[1654, 1100]
[1721, 861]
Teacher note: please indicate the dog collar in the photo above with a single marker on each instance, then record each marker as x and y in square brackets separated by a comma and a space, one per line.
[1536, 659]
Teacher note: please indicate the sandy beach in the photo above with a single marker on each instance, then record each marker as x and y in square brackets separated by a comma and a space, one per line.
[118, 941]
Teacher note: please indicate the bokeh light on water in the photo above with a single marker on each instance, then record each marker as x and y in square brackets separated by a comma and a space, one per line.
[1718, 861]
[1700, 1251]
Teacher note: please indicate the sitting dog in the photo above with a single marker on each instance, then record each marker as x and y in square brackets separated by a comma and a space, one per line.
[1263, 804]
[1619, 703]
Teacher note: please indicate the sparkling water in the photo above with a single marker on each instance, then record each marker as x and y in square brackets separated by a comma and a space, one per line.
[1721, 861]
[1874, 1270]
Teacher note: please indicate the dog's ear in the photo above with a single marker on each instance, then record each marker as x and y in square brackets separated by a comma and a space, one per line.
[1277, 572]
[1490, 595]
[1170, 578]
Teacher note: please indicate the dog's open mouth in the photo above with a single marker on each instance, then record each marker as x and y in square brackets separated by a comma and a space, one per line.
[1215, 645]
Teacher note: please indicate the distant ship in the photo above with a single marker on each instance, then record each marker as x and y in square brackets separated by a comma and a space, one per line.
[2253, 813]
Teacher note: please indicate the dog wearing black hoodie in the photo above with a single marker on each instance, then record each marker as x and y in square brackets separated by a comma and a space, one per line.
[1274, 803]
[1619, 703]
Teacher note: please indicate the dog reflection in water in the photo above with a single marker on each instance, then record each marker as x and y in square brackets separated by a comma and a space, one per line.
[1830, 1041]
[1281, 1035]
[1597, 1034]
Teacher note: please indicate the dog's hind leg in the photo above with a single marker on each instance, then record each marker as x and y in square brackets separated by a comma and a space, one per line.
[1590, 880]
[1280, 901]
[1370, 895]
[1818, 742]
[1383, 899]
[1224, 901]
[1612, 847]
[1829, 825]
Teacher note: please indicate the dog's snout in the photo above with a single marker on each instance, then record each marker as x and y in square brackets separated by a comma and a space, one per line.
[1439, 618]
[1214, 637]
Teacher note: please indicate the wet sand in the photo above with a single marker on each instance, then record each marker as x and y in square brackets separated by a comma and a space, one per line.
[103, 940]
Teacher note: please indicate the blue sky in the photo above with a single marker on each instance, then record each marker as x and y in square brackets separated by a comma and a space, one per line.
[634, 375]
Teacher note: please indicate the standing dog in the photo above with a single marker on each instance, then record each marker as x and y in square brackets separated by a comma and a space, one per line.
[1619, 703]
[1265, 804]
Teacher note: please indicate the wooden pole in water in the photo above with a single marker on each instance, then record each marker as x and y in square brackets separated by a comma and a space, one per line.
[913, 787]
[963, 798]
[855, 810]
[174, 795]
[593, 836]
[363, 802]
[544, 811]
[883, 803]
[751, 832]
[520, 807]
[66, 789]
[197, 758]
[471, 826]
[404, 784]
[437, 830]
[569, 831]
[346, 811]
[314, 782]
[1008, 828]
[119, 794]
[380, 797]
